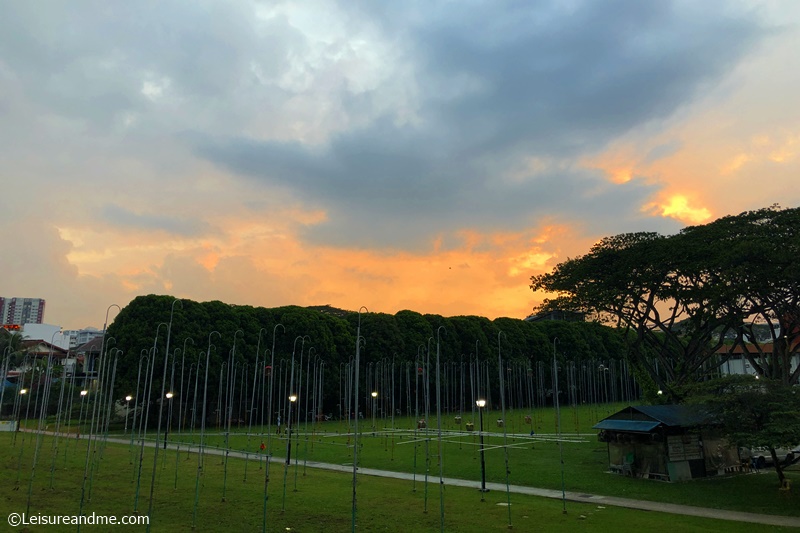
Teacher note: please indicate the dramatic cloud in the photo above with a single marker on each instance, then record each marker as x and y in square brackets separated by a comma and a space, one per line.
[423, 155]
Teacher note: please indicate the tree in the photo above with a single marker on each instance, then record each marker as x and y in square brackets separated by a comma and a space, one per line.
[753, 413]
[678, 297]
[646, 285]
[11, 347]
[389, 338]
[757, 273]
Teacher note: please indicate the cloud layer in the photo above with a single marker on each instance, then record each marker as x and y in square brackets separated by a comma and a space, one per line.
[416, 155]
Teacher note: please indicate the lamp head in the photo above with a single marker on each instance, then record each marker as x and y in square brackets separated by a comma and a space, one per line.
[293, 398]
[480, 403]
[128, 398]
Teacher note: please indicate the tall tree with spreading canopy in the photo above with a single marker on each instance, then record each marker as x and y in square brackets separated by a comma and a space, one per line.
[678, 297]
[758, 275]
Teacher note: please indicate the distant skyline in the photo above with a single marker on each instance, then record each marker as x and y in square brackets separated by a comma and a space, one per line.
[429, 156]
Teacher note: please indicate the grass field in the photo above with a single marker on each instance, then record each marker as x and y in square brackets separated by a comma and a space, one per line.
[533, 461]
[323, 499]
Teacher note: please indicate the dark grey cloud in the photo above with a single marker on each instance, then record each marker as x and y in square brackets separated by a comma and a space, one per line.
[544, 78]
[497, 85]
[388, 188]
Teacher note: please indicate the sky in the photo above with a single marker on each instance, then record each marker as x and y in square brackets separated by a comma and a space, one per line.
[419, 155]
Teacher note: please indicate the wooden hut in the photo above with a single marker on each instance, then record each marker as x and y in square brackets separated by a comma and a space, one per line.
[666, 442]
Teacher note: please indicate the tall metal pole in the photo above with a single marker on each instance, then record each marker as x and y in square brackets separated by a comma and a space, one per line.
[481, 404]
[439, 429]
[355, 401]
[94, 408]
[505, 430]
[182, 419]
[229, 410]
[160, 414]
[558, 423]
[202, 430]
[269, 424]
[292, 398]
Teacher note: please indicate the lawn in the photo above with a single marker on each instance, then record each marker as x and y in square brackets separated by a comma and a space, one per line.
[532, 461]
[323, 499]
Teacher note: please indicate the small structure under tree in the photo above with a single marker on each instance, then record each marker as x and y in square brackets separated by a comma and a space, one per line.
[666, 442]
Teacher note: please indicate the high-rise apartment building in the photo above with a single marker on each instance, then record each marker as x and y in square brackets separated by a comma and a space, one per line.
[78, 337]
[19, 311]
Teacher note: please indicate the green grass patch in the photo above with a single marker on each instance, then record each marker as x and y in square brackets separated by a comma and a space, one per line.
[322, 499]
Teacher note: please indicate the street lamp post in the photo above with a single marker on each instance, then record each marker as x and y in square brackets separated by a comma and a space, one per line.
[22, 393]
[292, 399]
[128, 399]
[481, 404]
[374, 397]
[169, 396]
[80, 413]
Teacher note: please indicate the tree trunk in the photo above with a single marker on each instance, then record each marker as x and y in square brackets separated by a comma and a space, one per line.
[777, 464]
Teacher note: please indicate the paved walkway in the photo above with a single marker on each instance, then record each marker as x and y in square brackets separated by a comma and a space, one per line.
[705, 512]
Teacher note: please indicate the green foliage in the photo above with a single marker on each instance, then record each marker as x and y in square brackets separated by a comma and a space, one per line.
[752, 412]
[11, 349]
[677, 297]
[214, 326]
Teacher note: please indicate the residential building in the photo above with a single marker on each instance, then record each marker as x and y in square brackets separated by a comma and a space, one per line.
[734, 357]
[19, 311]
[78, 337]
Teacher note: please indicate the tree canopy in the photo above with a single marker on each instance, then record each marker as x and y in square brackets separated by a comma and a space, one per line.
[679, 297]
[399, 338]
[753, 413]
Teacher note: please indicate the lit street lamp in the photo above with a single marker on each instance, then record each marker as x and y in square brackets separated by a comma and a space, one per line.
[481, 404]
[166, 431]
[80, 414]
[128, 399]
[292, 399]
[374, 396]
[22, 392]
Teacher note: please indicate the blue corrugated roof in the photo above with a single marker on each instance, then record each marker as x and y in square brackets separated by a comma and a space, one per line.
[643, 426]
[646, 417]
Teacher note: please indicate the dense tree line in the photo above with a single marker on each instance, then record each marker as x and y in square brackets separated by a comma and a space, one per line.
[402, 338]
